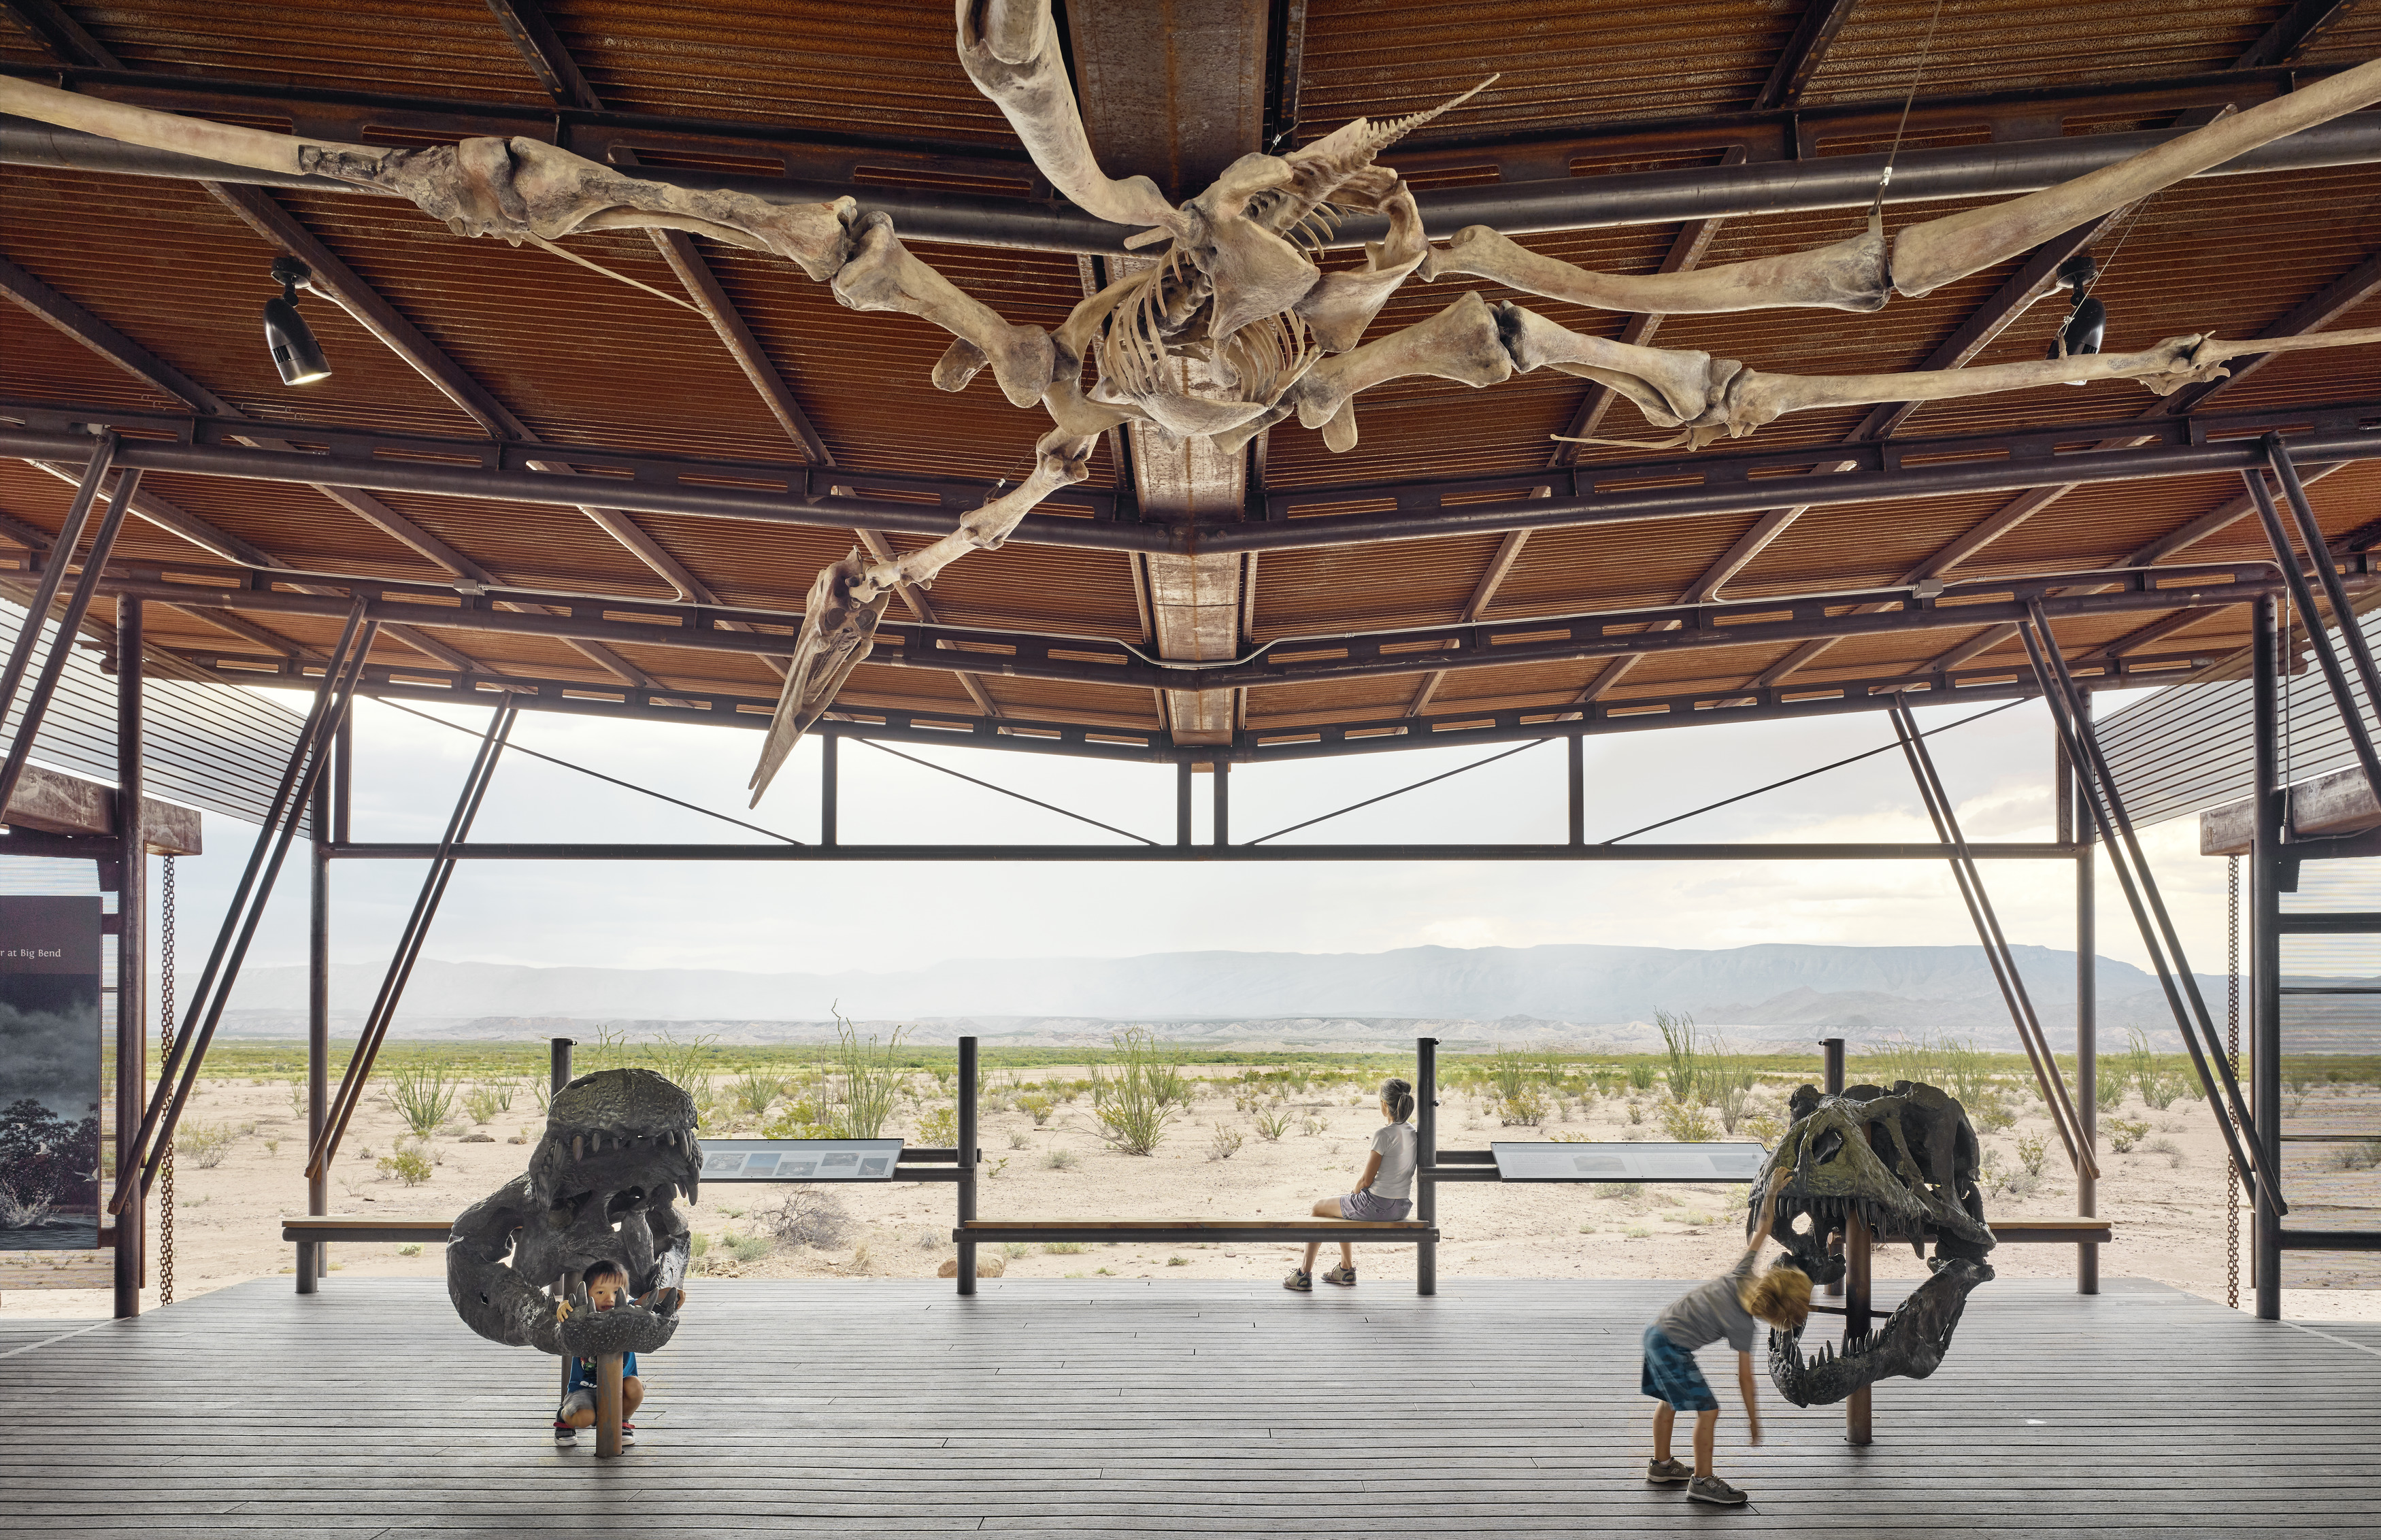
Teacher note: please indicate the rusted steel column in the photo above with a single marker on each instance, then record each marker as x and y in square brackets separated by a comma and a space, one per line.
[1856, 1296]
[607, 1406]
[132, 940]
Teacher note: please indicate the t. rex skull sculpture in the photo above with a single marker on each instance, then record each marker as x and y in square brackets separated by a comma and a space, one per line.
[1235, 326]
[1905, 1161]
[618, 1150]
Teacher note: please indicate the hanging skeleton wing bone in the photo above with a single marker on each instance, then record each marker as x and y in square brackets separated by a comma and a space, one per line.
[848, 598]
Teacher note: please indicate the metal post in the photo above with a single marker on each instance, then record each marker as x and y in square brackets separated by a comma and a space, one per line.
[343, 780]
[132, 941]
[2087, 1007]
[1427, 1160]
[2266, 964]
[53, 572]
[1831, 1081]
[2343, 697]
[1857, 1246]
[2326, 571]
[558, 1075]
[313, 1256]
[968, 1160]
[1223, 794]
[1575, 761]
[53, 663]
[1182, 803]
[409, 946]
[608, 1389]
[830, 789]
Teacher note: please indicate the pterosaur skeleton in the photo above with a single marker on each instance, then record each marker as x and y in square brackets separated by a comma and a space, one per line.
[1233, 327]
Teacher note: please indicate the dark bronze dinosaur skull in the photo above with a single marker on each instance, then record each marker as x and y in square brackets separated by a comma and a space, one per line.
[602, 1186]
[1904, 1160]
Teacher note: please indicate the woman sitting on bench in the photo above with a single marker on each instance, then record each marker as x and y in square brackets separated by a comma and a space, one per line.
[1382, 1191]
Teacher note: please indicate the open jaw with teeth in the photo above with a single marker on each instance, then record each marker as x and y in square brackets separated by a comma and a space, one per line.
[602, 1185]
[1903, 1161]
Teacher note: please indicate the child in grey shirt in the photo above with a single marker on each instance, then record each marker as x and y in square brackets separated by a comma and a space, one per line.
[1723, 1309]
[1381, 1192]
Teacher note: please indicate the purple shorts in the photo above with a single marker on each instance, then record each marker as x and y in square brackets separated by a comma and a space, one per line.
[1365, 1205]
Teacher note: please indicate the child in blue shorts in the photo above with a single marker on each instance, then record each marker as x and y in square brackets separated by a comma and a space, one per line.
[607, 1285]
[1726, 1307]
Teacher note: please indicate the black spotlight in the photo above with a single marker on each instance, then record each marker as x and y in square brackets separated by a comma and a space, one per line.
[2089, 319]
[295, 351]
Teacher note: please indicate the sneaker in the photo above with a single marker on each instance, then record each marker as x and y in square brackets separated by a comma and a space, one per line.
[564, 1432]
[1711, 1489]
[1343, 1275]
[628, 1433]
[1299, 1281]
[1665, 1472]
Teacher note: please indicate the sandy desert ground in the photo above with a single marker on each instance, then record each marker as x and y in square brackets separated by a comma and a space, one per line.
[2166, 1198]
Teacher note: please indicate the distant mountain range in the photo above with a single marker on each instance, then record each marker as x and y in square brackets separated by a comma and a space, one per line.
[1533, 995]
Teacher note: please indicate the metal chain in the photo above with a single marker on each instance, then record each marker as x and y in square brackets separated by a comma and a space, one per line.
[2233, 1054]
[166, 1049]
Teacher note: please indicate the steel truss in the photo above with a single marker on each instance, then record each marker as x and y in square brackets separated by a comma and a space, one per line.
[776, 492]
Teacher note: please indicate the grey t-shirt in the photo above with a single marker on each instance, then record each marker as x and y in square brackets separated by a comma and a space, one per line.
[1710, 1310]
[1394, 1181]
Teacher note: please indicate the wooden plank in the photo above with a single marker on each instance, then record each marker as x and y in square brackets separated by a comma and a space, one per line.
[1165, 1407]
[364, 1227]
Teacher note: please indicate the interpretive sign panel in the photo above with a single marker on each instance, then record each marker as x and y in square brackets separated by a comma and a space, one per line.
[49, 1072]
[799, 1159]
[1518, 1162]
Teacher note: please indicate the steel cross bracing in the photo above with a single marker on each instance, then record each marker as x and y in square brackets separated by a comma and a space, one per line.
[1288, 660]
[1783, 166]
[1608, 492]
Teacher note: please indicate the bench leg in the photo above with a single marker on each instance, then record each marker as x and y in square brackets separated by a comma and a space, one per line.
[308, 1270]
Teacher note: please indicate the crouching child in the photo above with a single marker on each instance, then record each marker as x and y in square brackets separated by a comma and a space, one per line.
[1724, 1308]
[607, 1285]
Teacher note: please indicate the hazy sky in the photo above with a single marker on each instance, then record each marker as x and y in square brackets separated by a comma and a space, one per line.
[795, 917]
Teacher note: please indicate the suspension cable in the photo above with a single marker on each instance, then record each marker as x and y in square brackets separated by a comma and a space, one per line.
[1855, 759]
[1403, 789]
[166, 1049]
[1047, 807]
[613, 780]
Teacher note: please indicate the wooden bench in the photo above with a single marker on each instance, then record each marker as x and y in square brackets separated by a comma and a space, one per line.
[1176, 1231]
[310, 1230]
[2069, 1232]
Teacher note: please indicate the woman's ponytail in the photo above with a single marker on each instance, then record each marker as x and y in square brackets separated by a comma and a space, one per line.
[1400, 1098]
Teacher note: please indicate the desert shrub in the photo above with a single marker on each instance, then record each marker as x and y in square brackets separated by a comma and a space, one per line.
[683, 1062]
[204, 1143]
[1017, 1140]
[753, 1092]
[487, 1100]
[2125, 1132]
[1059, 1161]
[802, 1119]
[752, 1246]
[1686, 1123]
[940, 1127]
[1766, 1127]
[1272, 1123]
[1641, 1076]
[407, 1166]
[423, 1095]
[1311, 1127]
[1967, 1070]
[297, 1099]
[870, 1082]
[698, 1248]
[1525, 1106]
[2032, 1153]
[808, 1216]
[1040, 1105]
[1992, 1114]
[2363, 1155]
[1636, 1113]
[1727, 1079]
[2168, 1148]
[2157, 1088]
[1177, 1262]
[1015, 1248]
[408, 1250]
[1062, 1248]
[1223, 1143]
[1678, 1043]
[1133, 1105]
[2109, 1093]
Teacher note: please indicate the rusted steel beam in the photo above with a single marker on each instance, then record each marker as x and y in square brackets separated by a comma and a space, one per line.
[1805, 50]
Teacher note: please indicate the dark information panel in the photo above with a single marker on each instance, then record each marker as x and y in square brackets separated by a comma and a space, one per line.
[49, 1072]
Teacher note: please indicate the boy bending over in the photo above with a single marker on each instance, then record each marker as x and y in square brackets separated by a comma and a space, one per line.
[1726, 1307]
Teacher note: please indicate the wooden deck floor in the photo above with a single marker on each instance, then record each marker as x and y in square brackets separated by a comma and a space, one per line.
[1172, 1408]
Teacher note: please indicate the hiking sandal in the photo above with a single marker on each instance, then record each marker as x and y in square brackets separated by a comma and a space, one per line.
[1343, 1275]
[1299, 1281]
